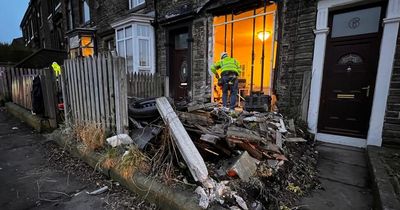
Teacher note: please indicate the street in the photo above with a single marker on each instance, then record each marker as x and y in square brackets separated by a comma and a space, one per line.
[37, 174]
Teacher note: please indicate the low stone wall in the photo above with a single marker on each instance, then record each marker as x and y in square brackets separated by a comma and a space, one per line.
[36, 122]
[151, 190]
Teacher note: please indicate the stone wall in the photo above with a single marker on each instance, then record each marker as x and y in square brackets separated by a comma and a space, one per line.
[296, 45]
[168, 12]
[391, 128]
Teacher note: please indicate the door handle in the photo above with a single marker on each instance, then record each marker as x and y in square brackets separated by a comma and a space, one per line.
[367, 89]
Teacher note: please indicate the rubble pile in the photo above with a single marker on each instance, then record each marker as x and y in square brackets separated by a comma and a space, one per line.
[239, 160]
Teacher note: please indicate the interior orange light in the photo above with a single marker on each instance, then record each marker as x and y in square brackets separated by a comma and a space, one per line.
[263, 35]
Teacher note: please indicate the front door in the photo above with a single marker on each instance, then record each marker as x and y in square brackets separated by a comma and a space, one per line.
[179, 64]
[351, 62]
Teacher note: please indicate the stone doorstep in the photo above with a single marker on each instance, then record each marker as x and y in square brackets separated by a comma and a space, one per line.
[385, 196]
[34, 121]
[151, 190]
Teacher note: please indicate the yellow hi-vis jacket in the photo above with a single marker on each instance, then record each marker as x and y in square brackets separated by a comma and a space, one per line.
[226, 64]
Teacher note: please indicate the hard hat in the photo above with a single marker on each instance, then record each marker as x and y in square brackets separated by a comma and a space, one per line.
[223, 55]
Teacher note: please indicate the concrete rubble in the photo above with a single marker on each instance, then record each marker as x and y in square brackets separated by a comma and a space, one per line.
[222, 149]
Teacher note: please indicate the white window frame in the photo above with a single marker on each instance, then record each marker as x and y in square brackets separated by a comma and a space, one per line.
[136, 3]
[135, 46]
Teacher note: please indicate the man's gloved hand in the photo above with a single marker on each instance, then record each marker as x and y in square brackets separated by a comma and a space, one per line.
[217, 75]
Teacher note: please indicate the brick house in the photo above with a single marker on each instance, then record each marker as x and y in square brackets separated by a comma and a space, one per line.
[332, 62]
[43, 31]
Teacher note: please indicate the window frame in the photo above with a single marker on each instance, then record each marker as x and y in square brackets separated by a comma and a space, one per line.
[134, 3]
[83, 12]
[135, 46]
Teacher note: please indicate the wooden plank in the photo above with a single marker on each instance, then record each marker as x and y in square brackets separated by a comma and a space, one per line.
[95, 89]
[101, 90]
[12, 85]
[91, 89]
[71, 93]
[118, 97]
[82, 90]
[201, 106]
[62, 79]
[185, 145]
[106, 90]
[67, 85]
[111, 92]
[49, 101]
[89, 105]
[79, 90]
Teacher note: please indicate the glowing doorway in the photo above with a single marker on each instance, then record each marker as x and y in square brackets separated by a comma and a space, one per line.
[250, 38]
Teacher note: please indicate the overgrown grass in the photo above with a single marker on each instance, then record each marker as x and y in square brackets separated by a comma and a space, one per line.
[110, 159]
[133, 159]
[92, 135]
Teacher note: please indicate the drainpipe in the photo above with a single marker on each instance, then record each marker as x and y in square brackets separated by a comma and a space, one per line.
[155, 34]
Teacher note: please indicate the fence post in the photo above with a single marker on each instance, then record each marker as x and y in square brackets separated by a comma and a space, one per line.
[121, 97]
[50, 97]
[63, 78]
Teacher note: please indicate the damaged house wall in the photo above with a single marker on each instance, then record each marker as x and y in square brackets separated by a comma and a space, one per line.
[295, 54]
[391, 127]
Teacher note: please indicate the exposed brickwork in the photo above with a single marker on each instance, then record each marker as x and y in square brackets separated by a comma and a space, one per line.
[391, 128]
[296, 47]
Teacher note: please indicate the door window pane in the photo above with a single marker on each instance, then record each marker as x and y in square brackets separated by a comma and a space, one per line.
[356, 22]
[181, 41]
[144, 55]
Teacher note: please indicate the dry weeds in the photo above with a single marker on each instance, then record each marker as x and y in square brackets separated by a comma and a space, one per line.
[92, 135]
[133, 159]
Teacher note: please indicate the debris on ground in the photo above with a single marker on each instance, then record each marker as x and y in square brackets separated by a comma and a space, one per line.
[119, 139]
[233, 159]
[98, 191]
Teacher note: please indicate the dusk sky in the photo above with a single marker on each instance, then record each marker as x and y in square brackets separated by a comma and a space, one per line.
[11, 13]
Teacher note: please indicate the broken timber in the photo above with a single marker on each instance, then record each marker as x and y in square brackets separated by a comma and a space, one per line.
[185, 145]
[201, 106]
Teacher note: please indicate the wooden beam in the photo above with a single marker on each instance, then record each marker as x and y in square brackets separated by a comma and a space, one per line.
[185, 145]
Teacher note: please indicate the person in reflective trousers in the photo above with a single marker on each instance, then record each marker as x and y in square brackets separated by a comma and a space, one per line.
[230, 71]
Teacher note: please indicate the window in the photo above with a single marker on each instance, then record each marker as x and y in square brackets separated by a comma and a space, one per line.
[31, 33]
[85, 11]
[70, 15]
[135, 43]
[135, 3]
[357, 22]
[39, 14]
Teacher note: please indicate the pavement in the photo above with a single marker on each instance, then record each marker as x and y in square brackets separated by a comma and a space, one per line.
[345, 181]
[27, 182]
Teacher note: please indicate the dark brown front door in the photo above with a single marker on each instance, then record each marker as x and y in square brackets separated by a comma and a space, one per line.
[179, 66]
[351, 62]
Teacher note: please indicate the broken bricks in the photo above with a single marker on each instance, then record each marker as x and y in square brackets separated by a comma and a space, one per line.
[244, 167]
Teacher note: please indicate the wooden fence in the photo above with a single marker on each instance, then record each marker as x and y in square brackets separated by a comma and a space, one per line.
[5, 83]
[16, 85]
[144, 85]
[95, 91]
